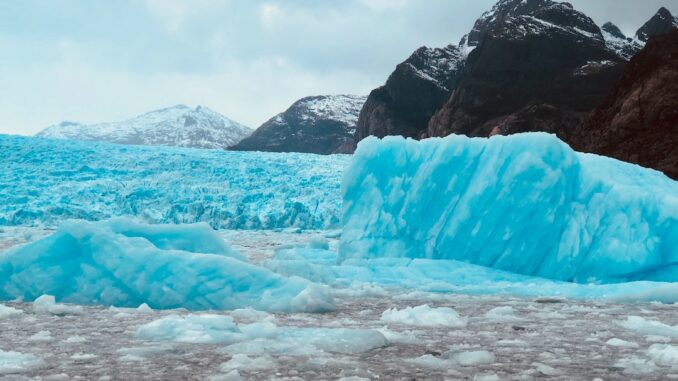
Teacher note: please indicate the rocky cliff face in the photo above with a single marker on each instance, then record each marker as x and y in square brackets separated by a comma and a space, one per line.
[179, 126]
[661, 23]
[527, 65]
[536, 61]
[638, 121]
[318, 124]
[412, 94]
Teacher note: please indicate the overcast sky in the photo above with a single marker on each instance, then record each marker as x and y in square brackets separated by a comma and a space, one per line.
[105, 60]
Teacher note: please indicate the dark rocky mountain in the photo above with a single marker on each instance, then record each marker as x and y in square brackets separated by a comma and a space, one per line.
[318, 124]
[662, 22]
[412, 94]
[638, 121]
[613, 30]
[535, 61]
[526, 65]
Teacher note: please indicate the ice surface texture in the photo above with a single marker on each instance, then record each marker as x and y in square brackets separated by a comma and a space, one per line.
[43, 182]
[122, 263]
[524, 203]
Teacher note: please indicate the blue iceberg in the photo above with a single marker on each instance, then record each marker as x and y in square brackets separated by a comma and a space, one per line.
[123, 263]
[527, 204]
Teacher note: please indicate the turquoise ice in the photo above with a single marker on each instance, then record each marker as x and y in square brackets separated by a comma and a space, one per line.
[123, 263]
[526, 203]
[44, 181]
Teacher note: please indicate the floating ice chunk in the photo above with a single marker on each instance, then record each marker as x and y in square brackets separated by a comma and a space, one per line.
[261, 337]
[433, 362]
[144, 308]
[6, 311]
[75, 340]
[503, 313]
[248, 313]
[401, 337]
[41, 336]
[615, 342]
[123, 263]
[83, 356]
[471, 358]
[547, 370]
[202, 329]
[524, 203]
[663, 354]
[244, 362]
[424, 316]
[46, 304]
[454, 358]
[636, 365]
[17, 362]
[650, 327]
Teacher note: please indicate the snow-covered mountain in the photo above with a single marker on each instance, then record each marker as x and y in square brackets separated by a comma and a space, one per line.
[179, 126]
[322, 124]
[615, 40]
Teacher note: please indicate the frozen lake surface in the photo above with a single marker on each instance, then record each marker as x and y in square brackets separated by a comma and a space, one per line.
[492, 337]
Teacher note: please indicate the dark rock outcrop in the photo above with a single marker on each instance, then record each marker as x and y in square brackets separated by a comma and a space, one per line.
[638, 121]
[613, 30]
[534, 58]
[661, 23]
[412, 94]
[318, 124]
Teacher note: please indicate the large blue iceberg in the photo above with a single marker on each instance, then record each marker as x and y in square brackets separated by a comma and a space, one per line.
[526, 203]
[123, 263]
[43, 182]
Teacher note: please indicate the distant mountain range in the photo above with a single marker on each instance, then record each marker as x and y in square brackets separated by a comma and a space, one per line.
[320, 124]
[179, 126]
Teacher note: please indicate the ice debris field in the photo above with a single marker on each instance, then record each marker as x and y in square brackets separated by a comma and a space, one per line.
[387, 254]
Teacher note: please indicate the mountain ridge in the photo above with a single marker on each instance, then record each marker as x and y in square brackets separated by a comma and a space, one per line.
[179, 125]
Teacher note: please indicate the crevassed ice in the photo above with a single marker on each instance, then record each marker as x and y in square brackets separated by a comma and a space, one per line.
[43, 182]
[525, 203]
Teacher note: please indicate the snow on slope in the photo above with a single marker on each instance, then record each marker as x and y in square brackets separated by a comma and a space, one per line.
[178, 126]
[123, 263]
[44, 181]
[525, 203]
[342, 108]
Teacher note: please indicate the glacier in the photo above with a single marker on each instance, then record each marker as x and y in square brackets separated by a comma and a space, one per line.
[527, 204]
[45, 181]
[123, 263]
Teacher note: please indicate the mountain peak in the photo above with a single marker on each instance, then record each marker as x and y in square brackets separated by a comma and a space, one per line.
[613, 30]
[177, 125]
[661, 23]
[321, 124]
